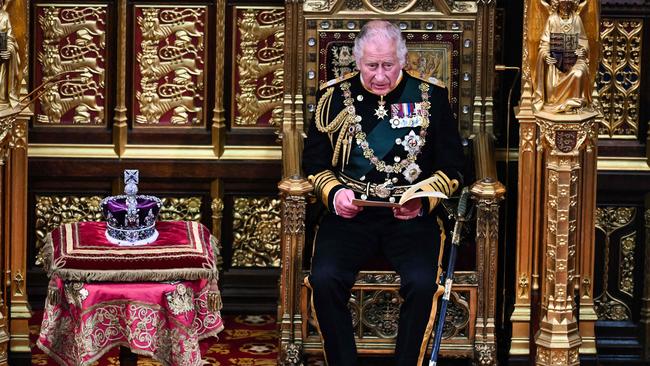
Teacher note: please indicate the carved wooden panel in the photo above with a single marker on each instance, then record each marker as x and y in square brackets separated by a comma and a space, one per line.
[616, 240]
[375, 313]
[258, 60]
[71, 38]
[170, 73]
[256, 232]
[619, 77]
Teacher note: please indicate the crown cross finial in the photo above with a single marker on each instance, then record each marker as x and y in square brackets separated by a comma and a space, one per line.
[131, 180]
[131, 218]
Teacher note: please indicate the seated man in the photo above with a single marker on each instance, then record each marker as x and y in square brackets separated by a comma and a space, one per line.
[374, 134]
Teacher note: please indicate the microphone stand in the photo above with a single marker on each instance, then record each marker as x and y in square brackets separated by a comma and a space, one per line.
[455, 243]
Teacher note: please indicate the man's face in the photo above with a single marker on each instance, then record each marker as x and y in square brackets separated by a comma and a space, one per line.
[379, 66]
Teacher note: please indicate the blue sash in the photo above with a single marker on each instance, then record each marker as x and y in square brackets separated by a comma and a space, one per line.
[382, 140]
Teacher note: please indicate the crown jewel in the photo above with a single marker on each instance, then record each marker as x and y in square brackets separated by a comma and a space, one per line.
[131, 218]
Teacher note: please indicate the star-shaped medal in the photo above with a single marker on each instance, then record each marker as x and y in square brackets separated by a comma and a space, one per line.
[381, 111]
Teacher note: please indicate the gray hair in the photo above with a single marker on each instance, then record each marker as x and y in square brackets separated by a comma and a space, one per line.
[384, 30]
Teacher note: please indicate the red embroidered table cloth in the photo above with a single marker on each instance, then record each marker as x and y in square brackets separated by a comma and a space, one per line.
[102, 295]
[165, 321]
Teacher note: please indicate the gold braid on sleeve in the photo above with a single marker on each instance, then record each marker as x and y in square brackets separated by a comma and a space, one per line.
[340, 123]
[440, 183]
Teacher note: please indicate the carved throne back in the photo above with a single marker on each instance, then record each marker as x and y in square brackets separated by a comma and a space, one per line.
[446, 40]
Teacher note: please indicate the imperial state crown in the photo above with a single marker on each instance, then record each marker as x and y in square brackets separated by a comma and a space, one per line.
[131, 218]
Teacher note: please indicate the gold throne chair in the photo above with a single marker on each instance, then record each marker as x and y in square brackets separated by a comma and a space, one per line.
[453, 42]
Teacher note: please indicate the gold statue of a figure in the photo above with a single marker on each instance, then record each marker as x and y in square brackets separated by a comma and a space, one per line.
[563, 81]
[9, 61]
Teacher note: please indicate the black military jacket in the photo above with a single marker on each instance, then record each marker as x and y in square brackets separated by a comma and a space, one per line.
[441, 154]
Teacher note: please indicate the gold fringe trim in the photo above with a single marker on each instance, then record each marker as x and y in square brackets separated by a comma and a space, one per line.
[47, 251]
[135, 275]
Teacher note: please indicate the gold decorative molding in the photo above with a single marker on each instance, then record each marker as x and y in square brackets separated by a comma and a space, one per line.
[619, 78]
[170, 72]
[180, 209]
[606, 163]
[256, 232]
[626, 265]
[258, 54]
[53, 211]
[18, 138]
[391, 7]
[89, 151]
[176, 152]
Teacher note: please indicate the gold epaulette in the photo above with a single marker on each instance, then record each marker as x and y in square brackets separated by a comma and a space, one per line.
[431, 80]
[337, 80]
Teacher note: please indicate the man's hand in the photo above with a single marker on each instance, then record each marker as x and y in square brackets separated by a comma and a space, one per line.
[343, 204]
[409, 210]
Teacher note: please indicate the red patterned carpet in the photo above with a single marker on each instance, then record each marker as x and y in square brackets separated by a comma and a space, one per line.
[247, 340]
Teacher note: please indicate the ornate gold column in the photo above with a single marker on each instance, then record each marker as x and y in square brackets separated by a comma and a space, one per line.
[526, 206]
[14, 23]
[586, 240]
[293, 192]
[526, 223]
[219, 119]
[563, 139]
[488, 194]
[7, 118]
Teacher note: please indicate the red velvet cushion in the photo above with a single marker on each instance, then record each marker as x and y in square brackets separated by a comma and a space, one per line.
[80, 252]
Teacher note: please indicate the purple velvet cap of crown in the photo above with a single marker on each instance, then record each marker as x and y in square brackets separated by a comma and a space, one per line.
[120, 230]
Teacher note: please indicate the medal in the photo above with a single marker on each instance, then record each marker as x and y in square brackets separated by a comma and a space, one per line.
[381, 111]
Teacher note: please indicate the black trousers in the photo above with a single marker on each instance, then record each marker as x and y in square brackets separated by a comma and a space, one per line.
[343, 246]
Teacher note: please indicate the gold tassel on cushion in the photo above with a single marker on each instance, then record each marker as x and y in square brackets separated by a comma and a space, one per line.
[53, 293]
[214, 297]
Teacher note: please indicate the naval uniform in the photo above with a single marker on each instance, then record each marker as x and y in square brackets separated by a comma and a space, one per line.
[378, 146]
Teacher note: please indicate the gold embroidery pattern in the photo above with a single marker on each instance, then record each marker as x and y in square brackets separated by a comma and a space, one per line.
[148, 329]
[75, 293]
[181, 300]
